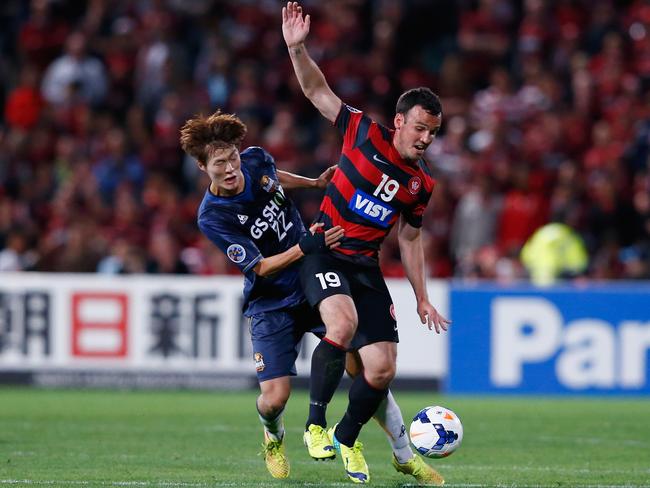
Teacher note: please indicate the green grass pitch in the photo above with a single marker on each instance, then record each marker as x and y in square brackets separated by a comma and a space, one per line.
[211, 439]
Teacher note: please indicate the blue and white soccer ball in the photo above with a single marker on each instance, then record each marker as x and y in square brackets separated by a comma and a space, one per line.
[436, 432]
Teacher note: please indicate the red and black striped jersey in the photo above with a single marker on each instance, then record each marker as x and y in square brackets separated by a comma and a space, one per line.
[371, 187]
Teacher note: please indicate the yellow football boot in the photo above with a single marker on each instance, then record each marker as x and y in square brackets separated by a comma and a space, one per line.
[353, 460]
[421, 471]
[275, 457]
[318, 443]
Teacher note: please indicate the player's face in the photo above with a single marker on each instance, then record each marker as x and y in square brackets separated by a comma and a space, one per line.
[224, 169]
[414, 131]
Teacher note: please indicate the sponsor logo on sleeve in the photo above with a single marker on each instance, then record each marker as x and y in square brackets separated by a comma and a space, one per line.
[236, 253]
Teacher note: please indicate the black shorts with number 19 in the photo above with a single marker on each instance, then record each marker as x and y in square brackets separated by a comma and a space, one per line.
[323, 275]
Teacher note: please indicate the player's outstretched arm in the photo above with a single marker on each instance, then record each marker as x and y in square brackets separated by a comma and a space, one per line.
[311, 242]
[289, 181]
[295, 28]
[412, 253]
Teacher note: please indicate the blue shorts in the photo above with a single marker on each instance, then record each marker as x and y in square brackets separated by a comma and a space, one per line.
[276, 337]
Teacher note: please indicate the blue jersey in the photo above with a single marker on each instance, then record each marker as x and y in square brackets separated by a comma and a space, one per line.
[258, 222]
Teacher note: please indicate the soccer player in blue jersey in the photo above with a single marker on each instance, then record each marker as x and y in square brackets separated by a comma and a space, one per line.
[381, 180]
[246, 214]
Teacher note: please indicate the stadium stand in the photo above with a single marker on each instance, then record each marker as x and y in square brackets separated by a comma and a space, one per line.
[547, 119]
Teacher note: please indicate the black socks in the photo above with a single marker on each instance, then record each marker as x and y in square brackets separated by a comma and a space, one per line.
[327, 366]
[364, 401]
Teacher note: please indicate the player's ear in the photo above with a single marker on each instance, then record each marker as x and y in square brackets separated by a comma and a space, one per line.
[398, 121]
[201, 165]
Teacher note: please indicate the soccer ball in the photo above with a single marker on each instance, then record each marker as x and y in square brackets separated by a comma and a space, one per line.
[436, 432]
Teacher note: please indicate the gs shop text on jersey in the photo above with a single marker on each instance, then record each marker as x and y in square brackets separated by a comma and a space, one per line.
[273, 214]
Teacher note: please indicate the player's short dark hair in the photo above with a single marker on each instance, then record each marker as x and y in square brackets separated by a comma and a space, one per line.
[422, 96]
[201, 135]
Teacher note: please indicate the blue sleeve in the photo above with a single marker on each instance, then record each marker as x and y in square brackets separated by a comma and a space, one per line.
[235, 244]
[259, 160]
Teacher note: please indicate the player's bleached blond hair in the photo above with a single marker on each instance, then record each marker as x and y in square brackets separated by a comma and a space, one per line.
[202, 135]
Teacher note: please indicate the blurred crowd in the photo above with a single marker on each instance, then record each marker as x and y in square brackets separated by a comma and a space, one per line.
[546, 119]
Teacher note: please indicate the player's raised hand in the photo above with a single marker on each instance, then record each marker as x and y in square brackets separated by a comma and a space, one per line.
[325, 177]
[430, 316]
[294, 27]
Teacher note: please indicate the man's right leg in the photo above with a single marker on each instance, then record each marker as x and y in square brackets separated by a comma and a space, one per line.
[326, 287]
[273, 336]
[405, 461]
[327, 366]
[328, 359]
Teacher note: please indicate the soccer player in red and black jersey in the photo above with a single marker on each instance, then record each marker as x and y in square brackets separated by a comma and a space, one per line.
[381, 180]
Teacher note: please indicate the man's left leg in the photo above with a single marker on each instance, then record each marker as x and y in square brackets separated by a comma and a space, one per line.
[366, 393]
[368, 389]
[389, 417]
[375, 340]
[388, 414]
[270, 407]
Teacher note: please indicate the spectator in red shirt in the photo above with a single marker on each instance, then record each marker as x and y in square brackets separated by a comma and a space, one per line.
[25, 104]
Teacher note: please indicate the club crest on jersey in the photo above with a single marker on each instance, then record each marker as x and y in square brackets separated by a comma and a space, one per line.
[236, 253]
[268, 184]
[242, 218]
[414, 185]
[371, 209]
[259, 362]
